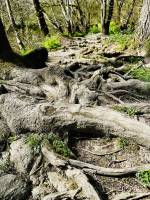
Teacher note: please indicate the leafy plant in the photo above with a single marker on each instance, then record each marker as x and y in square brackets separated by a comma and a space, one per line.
[123, 142]
[144, 177]
[58, 145]
[34, 141]
[52, 42]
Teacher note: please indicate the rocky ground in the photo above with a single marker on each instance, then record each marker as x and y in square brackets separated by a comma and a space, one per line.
[78, 129]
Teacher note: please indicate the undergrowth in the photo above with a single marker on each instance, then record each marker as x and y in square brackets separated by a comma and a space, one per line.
[52, 42]
[35, 141]
[144, 178]
[58, 145]
[141, 74]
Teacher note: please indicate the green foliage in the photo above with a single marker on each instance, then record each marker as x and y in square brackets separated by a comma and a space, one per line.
[131, 111]
[144, 177]
[95, 28]
[123, 142]
[123, 41]
[34, 141]
[114, 28]
[52, 42]
[141, 74]
[58, 145]
[23, 52]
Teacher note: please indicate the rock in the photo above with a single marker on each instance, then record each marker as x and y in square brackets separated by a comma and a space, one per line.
[13, 188]
[21, 155]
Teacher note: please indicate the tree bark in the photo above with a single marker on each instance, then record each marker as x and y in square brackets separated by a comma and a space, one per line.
[143, 30]
[40, 16]
[106, 16]
[5, 48]
[9, 10]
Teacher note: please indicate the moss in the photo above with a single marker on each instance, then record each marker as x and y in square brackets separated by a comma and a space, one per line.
[131, 111]
[52, 42]
[144, 177]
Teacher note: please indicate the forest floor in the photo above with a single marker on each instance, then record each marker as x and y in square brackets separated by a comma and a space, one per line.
[115, 152]
[123, 87]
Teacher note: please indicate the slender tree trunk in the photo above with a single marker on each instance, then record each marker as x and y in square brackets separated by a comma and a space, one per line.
[5, 48]
[130, 13]
[67, 13]
[12, 20]
[106, 15]
[40, 16]
[120, 4]
[143, 29]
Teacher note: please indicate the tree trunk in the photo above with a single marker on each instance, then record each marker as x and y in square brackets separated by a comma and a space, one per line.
[5, 48]
[143, 29]
[40, 16]
[19, 42]
[67, 13]
[106, 16]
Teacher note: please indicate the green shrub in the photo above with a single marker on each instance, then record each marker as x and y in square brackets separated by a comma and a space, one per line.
[114, 28]
[144, 177]
[95, 28]
[52, 42]
[34, 141]
[58, 145]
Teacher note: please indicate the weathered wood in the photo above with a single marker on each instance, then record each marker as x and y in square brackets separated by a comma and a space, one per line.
[21, 114]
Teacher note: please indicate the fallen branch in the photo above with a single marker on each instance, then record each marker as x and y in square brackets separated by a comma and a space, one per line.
[90, 167]
[107, 171]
